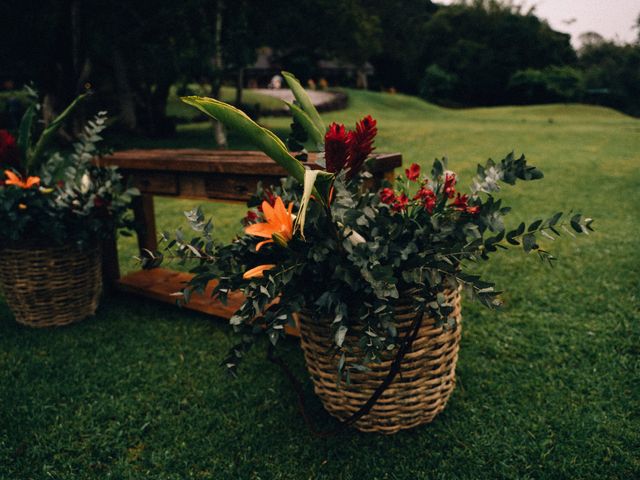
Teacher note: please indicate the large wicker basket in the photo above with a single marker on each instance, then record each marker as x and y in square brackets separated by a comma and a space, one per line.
[417, 394]
[53, 286]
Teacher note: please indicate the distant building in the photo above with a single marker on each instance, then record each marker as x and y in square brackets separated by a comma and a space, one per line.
[321, 71]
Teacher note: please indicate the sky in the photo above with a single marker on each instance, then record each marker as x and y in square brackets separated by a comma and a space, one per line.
[613, 19]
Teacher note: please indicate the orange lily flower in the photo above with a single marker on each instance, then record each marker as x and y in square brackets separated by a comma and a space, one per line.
[13, 179]
[278, 225]
[257, 272]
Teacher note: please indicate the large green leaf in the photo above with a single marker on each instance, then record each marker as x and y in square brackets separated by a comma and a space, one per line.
[26, 129]
[305, 120]
[34, 159]
[264, 139]
[305, 102]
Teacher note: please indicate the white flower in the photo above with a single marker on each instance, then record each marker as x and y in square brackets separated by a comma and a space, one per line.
[85, 183]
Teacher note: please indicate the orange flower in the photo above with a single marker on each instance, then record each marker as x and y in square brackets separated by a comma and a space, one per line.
[278, 225]
[257, 272]
[13, 179]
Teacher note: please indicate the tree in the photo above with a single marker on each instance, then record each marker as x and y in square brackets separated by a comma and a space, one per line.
[612, 75]
[399, 62]
[484, 43]
[308, 30]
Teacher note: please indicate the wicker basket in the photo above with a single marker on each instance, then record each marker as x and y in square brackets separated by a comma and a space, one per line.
[417, 394]
[55, 286]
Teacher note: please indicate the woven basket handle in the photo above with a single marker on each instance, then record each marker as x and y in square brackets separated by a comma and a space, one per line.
[405, 346]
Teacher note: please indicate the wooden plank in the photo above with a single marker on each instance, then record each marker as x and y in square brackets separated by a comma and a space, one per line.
[220, 161]
[156, 183]
[161, 284]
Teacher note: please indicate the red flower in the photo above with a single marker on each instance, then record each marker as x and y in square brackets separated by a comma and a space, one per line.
[360, 144]
[449, 184]
[413, 172]
[250, 218]
[269, 197]
[428, 198]
[9, 153]
[336, 147]
[473, 210]
[400, 203]
[461, 203]
[387, 196]
[100, 202]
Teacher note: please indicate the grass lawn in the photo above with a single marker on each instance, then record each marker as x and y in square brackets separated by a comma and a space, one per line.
[549, 387]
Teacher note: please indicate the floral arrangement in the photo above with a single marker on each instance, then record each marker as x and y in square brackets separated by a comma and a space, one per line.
[325, 243]
[53, 197]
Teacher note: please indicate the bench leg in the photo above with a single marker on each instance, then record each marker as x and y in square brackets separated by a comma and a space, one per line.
[144, 214]
[110, 265]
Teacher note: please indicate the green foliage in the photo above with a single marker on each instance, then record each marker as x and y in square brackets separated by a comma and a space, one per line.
[74, 200]
[34, 156]
[306, 105]
[612, 75]
[437, 85]
[135, 393]
[552, 84]
[362, 253]
[262, 138]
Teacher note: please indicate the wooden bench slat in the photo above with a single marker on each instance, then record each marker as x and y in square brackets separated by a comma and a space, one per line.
[219, 161]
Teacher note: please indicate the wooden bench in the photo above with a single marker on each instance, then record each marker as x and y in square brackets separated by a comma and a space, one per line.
[227, 175]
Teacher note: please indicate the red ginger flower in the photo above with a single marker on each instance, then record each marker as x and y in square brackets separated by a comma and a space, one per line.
[336, 147]
[449, 184]
[361, 144]
[428, 198]
[387, 196]
[413, 172]
[9, 153]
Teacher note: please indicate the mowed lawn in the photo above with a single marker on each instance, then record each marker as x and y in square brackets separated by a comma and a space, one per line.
[548, 387]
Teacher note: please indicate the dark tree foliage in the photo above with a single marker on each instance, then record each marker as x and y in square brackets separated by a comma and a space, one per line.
[399, 64]
[550, 85]
[130, 53]
[308, 30]
[485, 43]
[612, 75]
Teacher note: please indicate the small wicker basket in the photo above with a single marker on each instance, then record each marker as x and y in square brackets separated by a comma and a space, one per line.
[419, 391]
[46, 287]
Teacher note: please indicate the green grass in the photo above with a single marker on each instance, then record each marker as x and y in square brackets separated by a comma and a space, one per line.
[228, 94]
[549, 387]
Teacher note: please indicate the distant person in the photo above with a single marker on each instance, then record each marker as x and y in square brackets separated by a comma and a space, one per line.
[323, 84]
[276, 82]
[311, 84]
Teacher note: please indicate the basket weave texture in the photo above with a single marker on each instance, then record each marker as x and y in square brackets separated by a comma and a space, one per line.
[419, 391]
[51, 286]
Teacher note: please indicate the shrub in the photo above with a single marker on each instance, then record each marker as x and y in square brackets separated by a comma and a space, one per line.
[552, 84]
